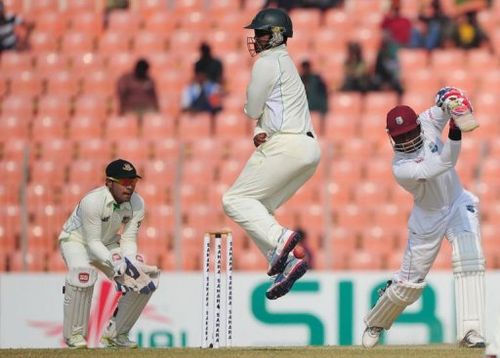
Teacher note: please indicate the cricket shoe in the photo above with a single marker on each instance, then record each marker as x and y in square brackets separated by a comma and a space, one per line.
[279, 256]
[294, 269]
[473, 340]
[371, 335]
[76, 341]
[120, 341]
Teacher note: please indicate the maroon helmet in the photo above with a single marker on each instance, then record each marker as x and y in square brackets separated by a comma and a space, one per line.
[403, 127]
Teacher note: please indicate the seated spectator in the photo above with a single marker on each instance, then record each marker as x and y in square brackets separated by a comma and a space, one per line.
[202, 95]
[468, 33]
[356, 75]
[316, 91]
[387, 69]
[8, 38]
[137, 90]
[435, 28]
[207, 63]
[397, 26]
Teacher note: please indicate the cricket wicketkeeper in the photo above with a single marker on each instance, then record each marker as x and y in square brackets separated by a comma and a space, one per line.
[90, 240]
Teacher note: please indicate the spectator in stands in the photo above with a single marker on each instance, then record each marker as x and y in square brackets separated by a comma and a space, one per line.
[9, 40]
[387, 68]
[356, 74]
[397, 26]
[210, 65]
[202, 95]
[137, 90]
[435, 29]
[316, 91]
[468, 33]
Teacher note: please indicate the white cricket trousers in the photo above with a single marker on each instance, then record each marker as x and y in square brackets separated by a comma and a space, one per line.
[274, 172]
[426, 230]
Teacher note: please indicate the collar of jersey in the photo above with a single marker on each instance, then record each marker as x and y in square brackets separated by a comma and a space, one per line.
[280, 48]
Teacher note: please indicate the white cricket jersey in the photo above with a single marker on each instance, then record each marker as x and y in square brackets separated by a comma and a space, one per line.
[429, 174]
[276, 96]
[97, 219]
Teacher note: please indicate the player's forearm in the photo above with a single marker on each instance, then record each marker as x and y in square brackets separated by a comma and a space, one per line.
[99, 251]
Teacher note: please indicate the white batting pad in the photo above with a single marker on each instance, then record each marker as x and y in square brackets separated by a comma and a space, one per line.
[390, 305]
[78, 291]
[129, 309]
[469, 295]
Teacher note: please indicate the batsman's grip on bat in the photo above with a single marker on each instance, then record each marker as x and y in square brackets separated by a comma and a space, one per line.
[132, 274]
[454, 102]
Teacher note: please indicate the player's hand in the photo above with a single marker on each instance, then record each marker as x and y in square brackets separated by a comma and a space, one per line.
[259, 139]
[453, 125]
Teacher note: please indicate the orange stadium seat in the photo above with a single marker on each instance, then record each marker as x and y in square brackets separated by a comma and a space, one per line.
[14, 127]
[12, 172]
[98, 82]
[161, 62]
[35, 261]
[150, 8]
[232, 125]
[194, 126]
[222, 41]
[39, 195]
[481, 60]
[186, 6]
[352, 215]
[13, 148]
[166, 148]
[185, 41]
[417, 100]
[365, 260]
[421, 80]
[49, 62]
[306, 18]
[93, 149]
[55, 262]
[40, 42]
[59, 149]
[132, 149]
[83, 63]
[47, 127]
[87, 171]
[338, 193]
[207, 149]
[157, 126]
[412, 59]
[13, 6]
[26, 83]
[345, 170]
[161, 22]
[76, 6]
[124, 21]
[447, 60]
[369, 193]
[73, 192]
[89, 22]
[198, 172]
[462, 79]
[195, 21]
[20, 106]
[92, 105]
[112, 42]
[85, 127]
[12, 61]
[378, 170]
[10, 223]
[63, 83]
[380, 239]
[74, 42]
[52, 22]
[41, 6]
[340, 126]
[122, 127]
[346, 103]
[54, 106]
[47, 171]
[229, 170]
[145, 42]
[168, 260]
[160, 172]
[120, 63]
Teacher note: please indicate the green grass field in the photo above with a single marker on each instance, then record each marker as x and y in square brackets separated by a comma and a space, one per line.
[429, 351]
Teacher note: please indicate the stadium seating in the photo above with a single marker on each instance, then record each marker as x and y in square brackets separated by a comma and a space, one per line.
[58, 99]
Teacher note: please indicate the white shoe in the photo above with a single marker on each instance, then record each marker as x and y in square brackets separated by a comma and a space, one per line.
[371, 335]
[76, 341]
[121, 341]
[279, 256]
[294, 269]
[473, 339]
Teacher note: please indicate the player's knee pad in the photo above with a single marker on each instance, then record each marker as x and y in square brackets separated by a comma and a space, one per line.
[78, 290]
[130, 307]
[467, 253]
[395, 299]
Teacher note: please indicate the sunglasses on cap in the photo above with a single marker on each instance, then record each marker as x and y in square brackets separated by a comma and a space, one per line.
[124, 181]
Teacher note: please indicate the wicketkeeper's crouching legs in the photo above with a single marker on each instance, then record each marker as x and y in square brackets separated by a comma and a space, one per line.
[78, 290]
[130, 307]
[396, 297]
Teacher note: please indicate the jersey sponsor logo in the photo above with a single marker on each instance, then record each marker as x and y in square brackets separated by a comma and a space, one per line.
[106, 219]
[83, 277]
[125, 219]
